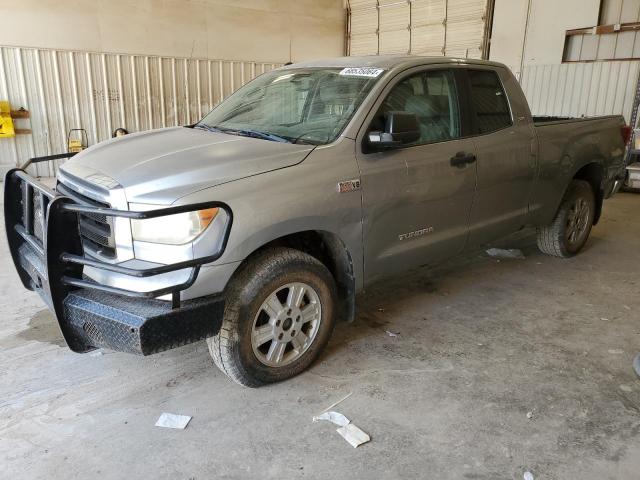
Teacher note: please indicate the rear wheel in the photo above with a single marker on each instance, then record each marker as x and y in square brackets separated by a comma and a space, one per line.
[278, 318]
[569, 231]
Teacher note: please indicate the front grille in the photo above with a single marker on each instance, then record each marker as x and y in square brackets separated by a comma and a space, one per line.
[38, 217]
[34, 206]
[96, 230]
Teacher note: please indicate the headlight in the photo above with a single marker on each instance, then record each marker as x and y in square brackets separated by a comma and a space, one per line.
[171, 229]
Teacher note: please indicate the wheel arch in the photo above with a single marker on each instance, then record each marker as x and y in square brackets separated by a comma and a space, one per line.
[590, 171]
[332, 252]
[593, 173]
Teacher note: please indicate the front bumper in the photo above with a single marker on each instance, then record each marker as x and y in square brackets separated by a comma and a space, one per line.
[43, 237]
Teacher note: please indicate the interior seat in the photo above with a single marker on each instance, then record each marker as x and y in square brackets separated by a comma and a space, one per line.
[434, 125]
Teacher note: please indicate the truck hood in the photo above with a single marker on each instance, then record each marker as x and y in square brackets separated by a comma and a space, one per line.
[160, 166]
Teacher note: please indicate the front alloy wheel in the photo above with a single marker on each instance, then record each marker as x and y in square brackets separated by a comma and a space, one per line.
[286, 324]
[279, 315]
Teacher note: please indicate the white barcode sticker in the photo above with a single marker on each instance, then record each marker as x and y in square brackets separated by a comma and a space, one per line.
[361, 72]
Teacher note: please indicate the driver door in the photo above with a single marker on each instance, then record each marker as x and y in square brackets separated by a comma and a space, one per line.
[417, 198]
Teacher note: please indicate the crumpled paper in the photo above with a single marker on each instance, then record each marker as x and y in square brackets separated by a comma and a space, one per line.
[352, 434]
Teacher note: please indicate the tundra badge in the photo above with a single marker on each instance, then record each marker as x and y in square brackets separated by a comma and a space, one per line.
[417, 233]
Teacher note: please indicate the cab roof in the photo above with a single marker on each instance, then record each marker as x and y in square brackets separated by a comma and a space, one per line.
[389, 62]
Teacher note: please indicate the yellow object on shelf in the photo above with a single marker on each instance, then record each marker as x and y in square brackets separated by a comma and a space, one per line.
[77, 140]
[7, 129]
[75, 146]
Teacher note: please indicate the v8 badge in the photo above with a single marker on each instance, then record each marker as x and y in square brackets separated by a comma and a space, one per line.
[349, 185]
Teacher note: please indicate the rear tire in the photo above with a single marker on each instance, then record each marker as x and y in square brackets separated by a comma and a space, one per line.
[279, 316]
[569, 231]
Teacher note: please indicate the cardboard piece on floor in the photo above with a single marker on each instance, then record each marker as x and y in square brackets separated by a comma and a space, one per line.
[353, 435]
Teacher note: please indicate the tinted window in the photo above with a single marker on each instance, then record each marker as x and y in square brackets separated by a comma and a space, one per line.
[489, 101]
[432, 97]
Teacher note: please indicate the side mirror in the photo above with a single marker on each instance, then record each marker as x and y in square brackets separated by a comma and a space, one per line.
[400, 128]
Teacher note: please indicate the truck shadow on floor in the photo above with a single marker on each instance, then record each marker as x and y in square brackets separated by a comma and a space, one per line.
[382, 307]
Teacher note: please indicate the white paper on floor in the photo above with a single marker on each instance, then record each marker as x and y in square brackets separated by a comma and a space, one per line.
[171, 420]
[353, 435]
[506, 253]
[347, 430]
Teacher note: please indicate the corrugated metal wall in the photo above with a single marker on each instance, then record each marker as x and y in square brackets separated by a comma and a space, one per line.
[421, 27]
[581, 89]
[100, 92]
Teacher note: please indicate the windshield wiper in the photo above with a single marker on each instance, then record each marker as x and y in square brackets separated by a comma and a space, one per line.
[306, 141]
[208, 128]
[255, 134]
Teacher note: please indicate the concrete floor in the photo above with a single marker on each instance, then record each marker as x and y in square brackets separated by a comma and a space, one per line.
[482, 343]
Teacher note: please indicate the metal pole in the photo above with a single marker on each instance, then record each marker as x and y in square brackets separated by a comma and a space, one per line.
[524, 41]
[488, 29]
[444, 24]
[410, 27]
[633, 120]
[378, 30]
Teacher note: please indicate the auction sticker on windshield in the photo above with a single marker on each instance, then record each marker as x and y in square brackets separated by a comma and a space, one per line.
[361, 72]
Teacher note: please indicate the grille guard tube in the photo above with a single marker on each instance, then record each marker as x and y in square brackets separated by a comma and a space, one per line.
[61, 253]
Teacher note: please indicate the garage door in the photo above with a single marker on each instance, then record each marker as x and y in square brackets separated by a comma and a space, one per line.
[455, 28]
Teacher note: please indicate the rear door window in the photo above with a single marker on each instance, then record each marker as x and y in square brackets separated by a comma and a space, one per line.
[489, 101]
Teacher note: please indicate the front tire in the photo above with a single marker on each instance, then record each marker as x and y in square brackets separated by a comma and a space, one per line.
[279, 316]
[569, 231]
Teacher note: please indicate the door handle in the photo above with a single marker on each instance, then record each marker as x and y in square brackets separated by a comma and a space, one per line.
[461, 159]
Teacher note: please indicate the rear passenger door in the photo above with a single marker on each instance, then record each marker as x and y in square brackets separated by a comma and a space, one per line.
[417, 198]
[505, 156]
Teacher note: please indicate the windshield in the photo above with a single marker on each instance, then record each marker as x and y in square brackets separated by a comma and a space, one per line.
[297, 106]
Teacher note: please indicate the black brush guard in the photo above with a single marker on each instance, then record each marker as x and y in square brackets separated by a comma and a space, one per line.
[49, 259]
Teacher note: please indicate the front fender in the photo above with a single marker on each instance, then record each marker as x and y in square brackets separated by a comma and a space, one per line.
[296, 199]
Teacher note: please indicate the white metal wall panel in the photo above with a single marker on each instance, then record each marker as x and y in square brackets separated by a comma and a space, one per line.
[100, 92]
[581, 89]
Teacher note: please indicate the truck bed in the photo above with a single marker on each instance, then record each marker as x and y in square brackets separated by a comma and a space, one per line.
[565, 145]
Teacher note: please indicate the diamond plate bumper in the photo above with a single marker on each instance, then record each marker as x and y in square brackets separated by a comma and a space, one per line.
[141, 326]
[92, 315]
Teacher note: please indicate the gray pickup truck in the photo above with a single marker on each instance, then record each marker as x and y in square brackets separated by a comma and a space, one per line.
[256, 227]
